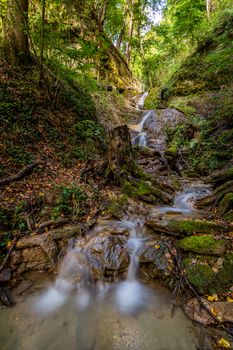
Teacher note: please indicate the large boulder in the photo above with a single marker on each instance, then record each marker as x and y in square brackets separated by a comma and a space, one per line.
[108, 255]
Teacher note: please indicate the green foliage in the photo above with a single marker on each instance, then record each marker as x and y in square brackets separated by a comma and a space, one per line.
[71, 201]
[91, 138]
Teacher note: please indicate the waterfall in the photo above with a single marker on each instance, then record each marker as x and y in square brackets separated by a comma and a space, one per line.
[141, 101]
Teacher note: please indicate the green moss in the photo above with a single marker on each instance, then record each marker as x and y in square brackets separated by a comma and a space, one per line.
[200, 275]
[224, 277]
[182, 104]
[152, 101]
[229, 216]
[189, 227]
[142, 190]
[203, 245]
[117, 206]
[226, 204]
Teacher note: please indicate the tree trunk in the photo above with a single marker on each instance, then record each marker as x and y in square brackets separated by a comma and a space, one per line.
[16, 32]
[130, 31]
[103, 13]
[125, 172]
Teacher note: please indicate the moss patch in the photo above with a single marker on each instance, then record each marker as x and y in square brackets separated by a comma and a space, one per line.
[189, 227]
[200, 275]
[142, 190]
[206, 245]
[224, 277]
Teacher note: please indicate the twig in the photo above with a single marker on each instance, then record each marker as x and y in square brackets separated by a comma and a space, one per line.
[183, 274]
[18, 176]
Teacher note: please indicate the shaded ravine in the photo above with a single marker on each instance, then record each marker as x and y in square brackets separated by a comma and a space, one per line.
[82, 310]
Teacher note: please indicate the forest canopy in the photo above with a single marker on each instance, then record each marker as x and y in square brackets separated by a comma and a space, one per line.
[107, 39]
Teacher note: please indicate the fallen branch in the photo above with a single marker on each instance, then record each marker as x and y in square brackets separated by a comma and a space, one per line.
[183, 275]
[25, 171]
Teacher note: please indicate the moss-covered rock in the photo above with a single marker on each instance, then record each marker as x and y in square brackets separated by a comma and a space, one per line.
[209, 274]
[189, 227]
[143, 190]
[200, 275]
[224, 277]
[226, 204]
[206, 245]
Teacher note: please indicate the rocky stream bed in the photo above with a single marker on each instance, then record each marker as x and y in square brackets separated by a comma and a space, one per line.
[110, 289]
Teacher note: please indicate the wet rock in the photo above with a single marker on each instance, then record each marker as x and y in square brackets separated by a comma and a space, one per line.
[155, 260]
[206, 245]
[159, 227]
[107, 255]
[196, 312]
[29, 259]
[5, 275]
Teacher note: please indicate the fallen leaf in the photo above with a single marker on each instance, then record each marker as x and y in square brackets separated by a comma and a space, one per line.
[213, 297]
[157, 246]
[230, 300]
[224, 343]
[214, 311]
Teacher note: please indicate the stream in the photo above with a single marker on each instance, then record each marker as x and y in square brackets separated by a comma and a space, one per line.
[74, 312]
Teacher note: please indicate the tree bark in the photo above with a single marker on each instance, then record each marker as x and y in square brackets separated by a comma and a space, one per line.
[103, 13]
[130, 30]
[16, 32]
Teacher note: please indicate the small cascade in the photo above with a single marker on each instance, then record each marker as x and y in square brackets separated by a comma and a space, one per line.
[75, 276]
[184, 200]
[139, 127]
[142, 139]
[140, 104]
[131, 295]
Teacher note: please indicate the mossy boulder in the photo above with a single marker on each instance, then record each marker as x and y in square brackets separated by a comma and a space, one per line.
[206, 245]
[189, 227]
[224, 277]
[209, 274]
[200, 275]
[143, 190]
[226, 204]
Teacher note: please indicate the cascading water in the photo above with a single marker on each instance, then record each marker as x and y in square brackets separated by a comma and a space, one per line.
[141, 101]
[80, 313]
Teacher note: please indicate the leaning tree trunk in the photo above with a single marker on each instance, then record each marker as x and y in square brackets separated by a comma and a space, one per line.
[16, 32]
[125, 172]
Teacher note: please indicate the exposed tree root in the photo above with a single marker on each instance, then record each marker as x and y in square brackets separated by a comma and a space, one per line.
[25, 171]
